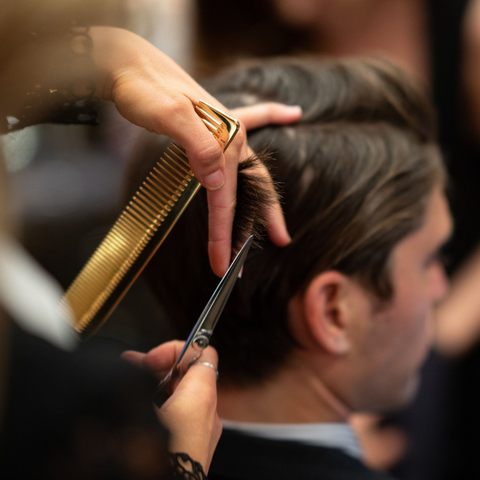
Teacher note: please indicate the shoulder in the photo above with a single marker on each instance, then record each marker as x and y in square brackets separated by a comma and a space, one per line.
[242, 457]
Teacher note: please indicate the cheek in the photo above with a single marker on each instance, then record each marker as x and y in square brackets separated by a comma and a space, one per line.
[414, 308]
[414, 332]
[401, 337]
[420, 332]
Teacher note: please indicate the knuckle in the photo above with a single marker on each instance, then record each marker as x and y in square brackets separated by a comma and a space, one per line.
[175, 106]
[219, 210]
[171, 111]
[209, 155]
[170, 107]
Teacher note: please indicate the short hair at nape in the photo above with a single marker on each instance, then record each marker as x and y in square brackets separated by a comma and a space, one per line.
[355, 175]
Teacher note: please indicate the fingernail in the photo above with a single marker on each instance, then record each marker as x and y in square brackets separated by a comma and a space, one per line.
[215, 180]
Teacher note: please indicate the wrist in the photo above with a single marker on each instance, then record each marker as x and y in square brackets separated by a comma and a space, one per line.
[111, 52]
[184, 466]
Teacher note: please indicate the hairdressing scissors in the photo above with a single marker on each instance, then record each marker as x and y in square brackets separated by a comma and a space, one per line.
[199, 337]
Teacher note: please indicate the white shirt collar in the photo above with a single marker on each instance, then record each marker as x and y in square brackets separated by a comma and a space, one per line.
[333, 435]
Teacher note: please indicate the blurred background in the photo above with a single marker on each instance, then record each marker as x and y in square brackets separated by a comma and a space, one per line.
[67, 184]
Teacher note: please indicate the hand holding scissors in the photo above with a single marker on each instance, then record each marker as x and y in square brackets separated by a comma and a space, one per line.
[192, 419]
[199, 337]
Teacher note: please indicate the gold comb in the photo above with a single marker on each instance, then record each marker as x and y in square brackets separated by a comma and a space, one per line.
[140, 230]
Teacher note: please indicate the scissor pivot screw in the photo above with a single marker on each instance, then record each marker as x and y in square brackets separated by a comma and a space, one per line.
[202, 341]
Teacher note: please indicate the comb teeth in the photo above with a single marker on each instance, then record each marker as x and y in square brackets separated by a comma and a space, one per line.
[139, 231]
[127, 239]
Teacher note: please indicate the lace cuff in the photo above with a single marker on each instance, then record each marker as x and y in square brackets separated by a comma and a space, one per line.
[185, 468]
[66, 96]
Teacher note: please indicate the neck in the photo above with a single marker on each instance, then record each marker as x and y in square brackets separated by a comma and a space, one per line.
[294, 395]
[396, 29]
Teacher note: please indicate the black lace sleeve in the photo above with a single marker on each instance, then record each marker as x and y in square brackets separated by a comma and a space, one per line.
[185, 468]
[63, 90]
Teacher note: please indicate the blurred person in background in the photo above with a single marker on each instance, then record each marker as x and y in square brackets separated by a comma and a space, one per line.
[339, 321]
[437, 41]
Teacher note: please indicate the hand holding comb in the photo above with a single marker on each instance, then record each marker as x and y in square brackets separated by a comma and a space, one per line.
[140, 230]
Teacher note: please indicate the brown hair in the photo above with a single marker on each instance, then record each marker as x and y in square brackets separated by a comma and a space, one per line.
[355, 174]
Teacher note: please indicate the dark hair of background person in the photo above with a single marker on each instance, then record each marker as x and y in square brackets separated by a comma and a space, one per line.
[248, 28]
[355, 173]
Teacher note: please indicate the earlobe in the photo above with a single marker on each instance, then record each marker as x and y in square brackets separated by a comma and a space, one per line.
[325, 312]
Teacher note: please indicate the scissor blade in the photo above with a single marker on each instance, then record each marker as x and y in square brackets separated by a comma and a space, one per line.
[216, 304]
[206, 323]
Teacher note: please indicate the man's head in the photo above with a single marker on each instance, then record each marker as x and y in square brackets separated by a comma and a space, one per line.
[369, 351]
[361, 181]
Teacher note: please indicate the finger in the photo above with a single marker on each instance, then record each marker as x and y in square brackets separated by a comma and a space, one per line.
[262, 114]
[221, 208]
[201, 379]
[207, 161]
[209, 355]
[135, 358]
[366, 422]
[385, 448]
[162, 358]
[276, 226]
[204, 153]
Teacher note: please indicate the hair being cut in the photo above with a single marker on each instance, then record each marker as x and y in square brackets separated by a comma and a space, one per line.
[355, 174]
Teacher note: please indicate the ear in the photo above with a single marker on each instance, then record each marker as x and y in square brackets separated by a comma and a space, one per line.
[325, 312]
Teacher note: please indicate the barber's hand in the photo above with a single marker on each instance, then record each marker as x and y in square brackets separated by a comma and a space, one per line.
[257, 116]
[152, 91]
[190, 413]
[383, 445]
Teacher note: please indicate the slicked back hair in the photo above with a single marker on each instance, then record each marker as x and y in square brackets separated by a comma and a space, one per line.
[355, 176]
